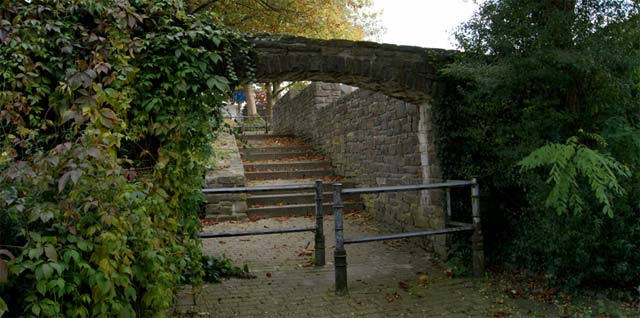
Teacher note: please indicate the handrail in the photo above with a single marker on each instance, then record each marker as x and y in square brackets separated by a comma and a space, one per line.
[257, 232]
[258, 189]
[430, 186]
[242, 118]
[406, 235]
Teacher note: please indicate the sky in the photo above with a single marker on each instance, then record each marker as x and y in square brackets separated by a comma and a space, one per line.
[425, 23]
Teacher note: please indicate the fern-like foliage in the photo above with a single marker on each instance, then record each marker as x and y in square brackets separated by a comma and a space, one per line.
[570, 161]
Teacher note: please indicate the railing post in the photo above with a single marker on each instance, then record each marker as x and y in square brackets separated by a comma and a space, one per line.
[476, 238]
[340, 254]
[319, 244]
[447, 213]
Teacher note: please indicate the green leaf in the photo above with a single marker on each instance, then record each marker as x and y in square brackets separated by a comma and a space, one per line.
[51, 253]
[108, 117]
[211, 82]
[130, 293]
[126, 312]
[57, 267]
[41, 287]
[569, 161]
[71, 255]
[35, 252]
[3, 307]
[36, 237]
[35, 309]
[85, 246]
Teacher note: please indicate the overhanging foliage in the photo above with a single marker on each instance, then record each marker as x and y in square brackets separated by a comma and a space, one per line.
[108, 113]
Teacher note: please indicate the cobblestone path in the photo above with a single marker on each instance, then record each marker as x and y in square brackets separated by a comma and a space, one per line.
[386, 279]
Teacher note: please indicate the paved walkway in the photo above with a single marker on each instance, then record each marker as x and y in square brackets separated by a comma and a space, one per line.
[386, 279]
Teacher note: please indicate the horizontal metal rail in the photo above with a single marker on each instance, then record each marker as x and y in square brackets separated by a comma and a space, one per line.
[405, 235]
[259, 189]
[253, 126]
[459, 224]
[247, 116]
[257, 232]
[432, 186]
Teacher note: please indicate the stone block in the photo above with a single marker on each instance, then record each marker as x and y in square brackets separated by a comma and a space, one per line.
[239, 207]
[218, 209]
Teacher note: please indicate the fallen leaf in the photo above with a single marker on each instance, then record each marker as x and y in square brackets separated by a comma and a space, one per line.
[448, 272]
[423, 280]
[392, 297]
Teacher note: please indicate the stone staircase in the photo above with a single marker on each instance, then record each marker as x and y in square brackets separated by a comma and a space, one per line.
[281, 160]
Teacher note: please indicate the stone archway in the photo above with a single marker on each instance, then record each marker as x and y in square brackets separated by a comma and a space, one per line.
[403, 72]
[407, 76]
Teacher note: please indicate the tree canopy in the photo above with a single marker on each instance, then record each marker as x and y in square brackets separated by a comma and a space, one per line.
[334, 19]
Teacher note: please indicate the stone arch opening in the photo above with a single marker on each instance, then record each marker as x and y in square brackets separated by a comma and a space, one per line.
[380, 135]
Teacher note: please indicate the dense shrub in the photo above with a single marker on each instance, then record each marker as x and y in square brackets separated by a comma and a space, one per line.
[108, 113]
[544, 106]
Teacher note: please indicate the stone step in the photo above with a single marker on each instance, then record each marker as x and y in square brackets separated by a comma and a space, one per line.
[287, 166]
[299, 209]
[275, 155]
[296, 174]
[249, 137]
[255, 150]
[294, 198]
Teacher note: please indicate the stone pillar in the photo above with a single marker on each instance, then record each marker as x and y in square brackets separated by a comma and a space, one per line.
[228, 172]
[431, 201]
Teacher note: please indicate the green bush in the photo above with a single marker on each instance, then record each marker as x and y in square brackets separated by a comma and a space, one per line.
[543, 106]
[108, 113]
[216, 268]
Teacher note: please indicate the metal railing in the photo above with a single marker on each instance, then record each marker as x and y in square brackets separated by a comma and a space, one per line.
[244, 127]
[319, 244]
[340, 254]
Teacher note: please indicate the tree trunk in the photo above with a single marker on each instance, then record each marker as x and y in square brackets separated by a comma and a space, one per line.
[267, 88]
[273, 91]
[251, 99]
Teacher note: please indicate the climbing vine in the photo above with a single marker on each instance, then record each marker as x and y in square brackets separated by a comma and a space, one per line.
[108, 112]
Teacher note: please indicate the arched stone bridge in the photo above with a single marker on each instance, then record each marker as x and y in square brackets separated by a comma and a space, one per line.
[404, 72]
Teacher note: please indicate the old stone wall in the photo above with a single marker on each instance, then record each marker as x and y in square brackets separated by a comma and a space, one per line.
[227, 172]
[373, 140]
